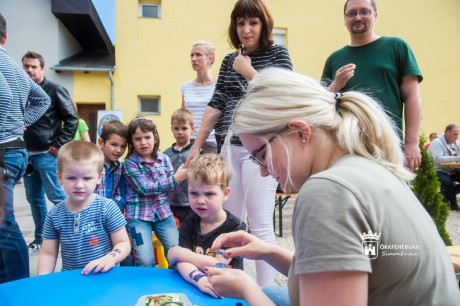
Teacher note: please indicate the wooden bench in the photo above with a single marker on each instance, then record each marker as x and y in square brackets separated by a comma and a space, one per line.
[281, 199]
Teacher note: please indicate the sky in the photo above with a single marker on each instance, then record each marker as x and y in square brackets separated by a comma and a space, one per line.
[106, 12]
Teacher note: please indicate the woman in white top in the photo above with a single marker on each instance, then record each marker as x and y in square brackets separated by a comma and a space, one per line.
[197, 93]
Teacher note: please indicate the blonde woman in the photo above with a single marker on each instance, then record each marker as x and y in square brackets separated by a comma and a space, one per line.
[197, 93]
[361, 236]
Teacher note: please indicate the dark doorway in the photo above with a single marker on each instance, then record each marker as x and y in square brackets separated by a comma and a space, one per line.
[88, 112]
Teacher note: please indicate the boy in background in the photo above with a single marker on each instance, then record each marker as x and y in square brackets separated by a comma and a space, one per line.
[208, 178]
[89, 228]
[182, 128]
[113, 142]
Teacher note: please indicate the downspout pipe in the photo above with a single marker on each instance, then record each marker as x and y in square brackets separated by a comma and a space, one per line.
[112, 95]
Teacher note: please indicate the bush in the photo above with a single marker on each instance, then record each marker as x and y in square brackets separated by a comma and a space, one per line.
[426, 187]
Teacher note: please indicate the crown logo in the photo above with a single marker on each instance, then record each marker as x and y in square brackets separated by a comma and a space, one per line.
[370, 235]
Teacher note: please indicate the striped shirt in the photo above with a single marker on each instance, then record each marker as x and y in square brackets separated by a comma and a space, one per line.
[231, 86]
[147, 186]
[196, 98]
[22, 101]
[112, 185]
[84, 235]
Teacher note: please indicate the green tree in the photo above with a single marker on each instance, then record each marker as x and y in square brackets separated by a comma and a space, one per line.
[426, 187]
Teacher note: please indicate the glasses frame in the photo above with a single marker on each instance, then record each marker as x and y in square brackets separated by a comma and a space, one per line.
[353, 14]
[253, 157]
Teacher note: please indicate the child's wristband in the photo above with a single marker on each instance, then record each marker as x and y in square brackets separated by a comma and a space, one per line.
[196, 275]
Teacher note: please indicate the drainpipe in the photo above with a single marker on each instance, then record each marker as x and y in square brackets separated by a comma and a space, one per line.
[112, 98]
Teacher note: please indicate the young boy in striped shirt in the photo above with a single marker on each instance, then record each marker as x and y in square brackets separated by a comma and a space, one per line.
[89, 228]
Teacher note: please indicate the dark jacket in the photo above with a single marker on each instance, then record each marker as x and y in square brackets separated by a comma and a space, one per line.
[49, 131]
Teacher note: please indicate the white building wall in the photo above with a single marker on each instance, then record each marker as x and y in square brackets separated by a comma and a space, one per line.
[32, 27]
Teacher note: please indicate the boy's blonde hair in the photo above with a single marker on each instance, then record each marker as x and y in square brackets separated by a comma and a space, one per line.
[182, 116]
[210, 169]
[80, 151]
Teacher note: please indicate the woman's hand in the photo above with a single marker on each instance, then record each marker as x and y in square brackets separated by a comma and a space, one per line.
[181, 173]
[242, 65]
[233, 283]
[206, 287]
[194, 152]
[241, 243]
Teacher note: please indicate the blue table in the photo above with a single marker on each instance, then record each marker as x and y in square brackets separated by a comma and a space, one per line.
[120, 286]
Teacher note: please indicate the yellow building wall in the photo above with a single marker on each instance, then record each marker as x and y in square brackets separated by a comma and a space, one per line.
[153, 55]
[92, 87]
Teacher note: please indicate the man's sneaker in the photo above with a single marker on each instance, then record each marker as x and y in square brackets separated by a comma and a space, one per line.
[34, 246]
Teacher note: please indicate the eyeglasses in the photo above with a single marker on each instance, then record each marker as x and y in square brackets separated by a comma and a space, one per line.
[254, 153]
[362, 13]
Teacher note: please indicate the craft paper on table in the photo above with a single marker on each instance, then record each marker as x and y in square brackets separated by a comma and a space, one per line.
[164, 299]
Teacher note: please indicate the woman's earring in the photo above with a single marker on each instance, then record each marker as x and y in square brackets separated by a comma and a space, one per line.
[304, 140]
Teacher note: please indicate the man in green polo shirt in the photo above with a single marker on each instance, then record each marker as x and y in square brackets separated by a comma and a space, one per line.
[382, 67]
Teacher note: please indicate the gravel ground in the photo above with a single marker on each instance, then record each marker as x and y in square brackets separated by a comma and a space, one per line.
[452, 226]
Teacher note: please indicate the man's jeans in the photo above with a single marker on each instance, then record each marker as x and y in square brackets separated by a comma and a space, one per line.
[448, 187]
[43, 180]
[140, 233]
[14, 256]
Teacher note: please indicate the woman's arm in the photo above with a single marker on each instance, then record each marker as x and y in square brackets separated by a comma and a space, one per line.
[210, 117]
[243, 244]
[333, 288]
[48, 256]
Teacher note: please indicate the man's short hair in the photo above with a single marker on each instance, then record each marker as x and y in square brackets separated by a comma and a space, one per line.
[35, 55]
[374, 5]
[182, 116]
[450, 127]
[114, 127]
[210, 169]
[2, 27]
[80, 151]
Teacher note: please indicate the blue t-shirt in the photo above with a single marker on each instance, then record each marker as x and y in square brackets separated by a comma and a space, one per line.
[84, 235]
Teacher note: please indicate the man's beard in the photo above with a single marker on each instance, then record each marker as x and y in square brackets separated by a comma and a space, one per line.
[362, 29]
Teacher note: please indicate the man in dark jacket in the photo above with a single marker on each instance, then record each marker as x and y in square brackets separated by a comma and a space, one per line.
[43, 140]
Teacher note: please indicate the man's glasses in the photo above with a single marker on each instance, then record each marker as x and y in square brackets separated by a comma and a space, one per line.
[255, 159]
[362, 13]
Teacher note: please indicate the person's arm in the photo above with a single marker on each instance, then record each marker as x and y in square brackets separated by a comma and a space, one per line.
[38, 103]
[85, 136]
[243, 244]
[6, 99]
[197, 278]
[333, 288]
[242, 65]
[412, 118]
[68, 115]
[236, 283]
[210, 117]
[342, 76]
[121, 249]
[179, 254]
[48, 256]
[183, 103]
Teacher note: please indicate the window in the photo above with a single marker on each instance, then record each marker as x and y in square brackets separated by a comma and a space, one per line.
[149, 105]
[279, 36]
[149, 10]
